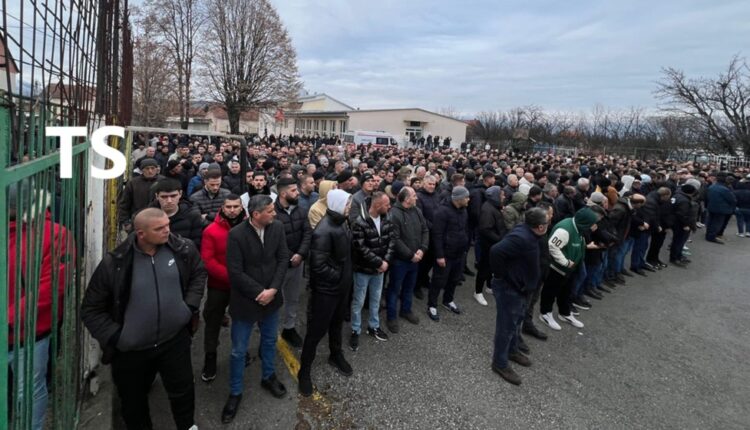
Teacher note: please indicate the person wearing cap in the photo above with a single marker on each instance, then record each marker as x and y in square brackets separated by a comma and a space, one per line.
[196, 182]
[450, 241]
[722, 203]
[346, 181]
[298, 233]
[331, 277]
[411, 237]
[515, 266]
[137, 193]
[684, 209]
[359, 199]
[567, 248]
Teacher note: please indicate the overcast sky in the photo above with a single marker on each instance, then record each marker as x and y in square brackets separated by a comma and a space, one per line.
[484, 55]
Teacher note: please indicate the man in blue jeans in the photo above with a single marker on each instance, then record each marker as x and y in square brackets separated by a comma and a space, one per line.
[373, 248]
[515, 264]
[411, 240]
[257, 261]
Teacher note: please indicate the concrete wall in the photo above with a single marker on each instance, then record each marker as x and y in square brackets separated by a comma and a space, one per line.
[396, 122]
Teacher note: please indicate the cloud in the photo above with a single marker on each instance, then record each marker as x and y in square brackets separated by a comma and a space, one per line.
[480, 55]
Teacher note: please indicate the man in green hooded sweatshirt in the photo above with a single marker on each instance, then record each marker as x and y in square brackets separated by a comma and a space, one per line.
[567, 247]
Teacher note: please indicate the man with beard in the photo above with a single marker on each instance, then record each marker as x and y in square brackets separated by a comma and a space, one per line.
[214, 255]
[298, 233]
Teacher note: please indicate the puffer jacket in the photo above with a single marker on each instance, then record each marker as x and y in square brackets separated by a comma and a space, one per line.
[208, 204]
[450, 234]
[742, 193]
[297, 229]
[684, 211]
[721, 200]
[331, 270]
[370, 247]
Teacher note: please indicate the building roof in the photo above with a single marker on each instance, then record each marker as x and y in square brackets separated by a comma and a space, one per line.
[316, 113]
[319, 96]
[402, 109]
[62, 91]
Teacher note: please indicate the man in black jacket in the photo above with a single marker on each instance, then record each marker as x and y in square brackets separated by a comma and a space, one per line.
[450, 240]
[515, 264]
[411, 237]
[684, 221]
[139, 305]
[257, 260]
[298, 234]
[428, 202]
[209, 199]
[184, 219]
[659, 212]
[330, 284]
[137, 193]
[491, 230]
[373, 249]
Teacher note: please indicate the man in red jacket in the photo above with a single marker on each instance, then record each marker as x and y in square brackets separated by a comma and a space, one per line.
[57, 255]
[214, 255]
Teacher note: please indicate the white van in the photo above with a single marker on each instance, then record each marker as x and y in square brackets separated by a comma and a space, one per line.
[377, 138]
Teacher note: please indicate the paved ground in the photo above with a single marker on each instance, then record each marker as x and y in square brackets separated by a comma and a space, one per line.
[666, 351]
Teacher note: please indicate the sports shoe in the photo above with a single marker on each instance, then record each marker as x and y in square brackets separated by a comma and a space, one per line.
[572, 320]
[700, 224]
[508, 374]
[392, 326]
[432, 313]
[741, 234]
[377, 333]
[574, 311]
[578, 303]
[209, 368]
[453, 307]
[489, 290]
[549, 319]
[354, 341]
[480, 299]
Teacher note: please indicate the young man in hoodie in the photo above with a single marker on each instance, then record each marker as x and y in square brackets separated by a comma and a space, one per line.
[567, 248]
[330, 283]
[214, 255]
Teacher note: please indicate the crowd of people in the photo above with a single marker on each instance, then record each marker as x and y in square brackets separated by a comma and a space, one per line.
[346, 228]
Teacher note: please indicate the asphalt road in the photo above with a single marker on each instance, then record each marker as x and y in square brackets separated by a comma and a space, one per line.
[666, 351]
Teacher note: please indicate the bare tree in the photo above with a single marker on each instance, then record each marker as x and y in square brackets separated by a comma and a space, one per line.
[450, 111]
[178, 24]
[720, 106]
[248, 59]
[489, 126]
[153, 80]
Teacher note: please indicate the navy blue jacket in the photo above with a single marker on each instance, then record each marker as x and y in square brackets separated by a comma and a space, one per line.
[721, 200]
[450, 236]
[428, 204]
[515, 259]
[742, 192]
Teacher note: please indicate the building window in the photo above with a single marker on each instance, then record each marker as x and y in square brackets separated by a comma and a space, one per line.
[316, 125]
[343, 126]
[415, 124]
[333, 126]
[324, 123]
[309, 124]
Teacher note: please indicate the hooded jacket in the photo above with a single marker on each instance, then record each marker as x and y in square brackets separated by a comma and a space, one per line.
[331, 271]
[566, 243]
[513, 213]
[318, 209]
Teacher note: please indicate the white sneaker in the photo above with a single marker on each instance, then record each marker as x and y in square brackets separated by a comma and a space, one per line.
[741, 234]
[572, 320]
[480, 299]
[488, 291]
[549, 319]
[700, 225]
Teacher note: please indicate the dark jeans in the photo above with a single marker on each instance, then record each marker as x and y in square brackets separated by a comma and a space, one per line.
[403, 279]
[425, 265]
[716, 225]
[679, 239]
[511, 308]
[638, 254]
[325, 314]
[133, 373]
[531, 300]
[213, 314]
[445, 278]
[743, 220]
[657, 241]
[556, 287]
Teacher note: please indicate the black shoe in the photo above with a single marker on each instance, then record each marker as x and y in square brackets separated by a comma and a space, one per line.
[649, 267]
[305, 384]
[582, 303]
[626, 273]
[678, 263]
[209, 368]
[340, 364]
[605, 289]
[533, 331]
[354, 341]
[409, 316]
[620, 279]
[610, 283]
[508, 374]
[418, 293]
[291, 337]
[468, 272]
[574, 311]
[453, 307]
[377, 333]
[519, 358]
[662, 264]
[522, 346]
[230, 409]
[249, 359]
[392, 325]
[593, 294]
[274, 386]
[639, 271]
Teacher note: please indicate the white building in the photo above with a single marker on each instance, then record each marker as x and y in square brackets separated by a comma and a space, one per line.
[323, 115]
